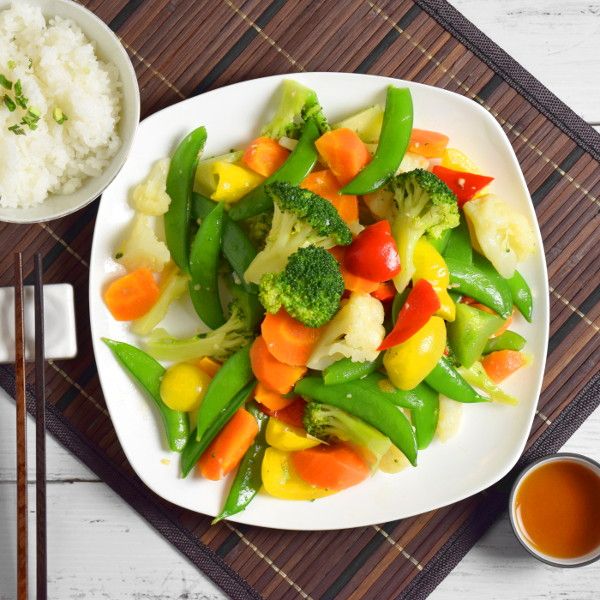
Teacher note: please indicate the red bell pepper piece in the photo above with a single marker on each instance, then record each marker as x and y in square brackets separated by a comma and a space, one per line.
[373, 254]
[464, 185]
[422, 302]
[292, 414]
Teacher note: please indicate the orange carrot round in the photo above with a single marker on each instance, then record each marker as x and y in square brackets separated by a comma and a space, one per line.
[502, 363]
[288, 340]
[132, 296]
[271, 399]
[332, 467]
[264, 156]
[385, 291]
[430, 144]
[325, 184]
[271, 372]
[344, 153]
[228, 448]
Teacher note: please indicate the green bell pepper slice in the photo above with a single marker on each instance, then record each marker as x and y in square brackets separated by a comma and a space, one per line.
[298, 165]
[148, 373]
[459, 246]
[393, 142]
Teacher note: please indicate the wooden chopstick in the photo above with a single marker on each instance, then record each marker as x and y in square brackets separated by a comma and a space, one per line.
[40, 431]
[21, 432]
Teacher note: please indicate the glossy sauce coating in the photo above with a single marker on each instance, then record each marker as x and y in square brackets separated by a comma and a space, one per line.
[557, 509]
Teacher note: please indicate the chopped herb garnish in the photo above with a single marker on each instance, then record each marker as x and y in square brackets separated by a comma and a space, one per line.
[59, 116]
[17, 129]
[5, 83]
[11, 64]
[29, 63]
[9, 103]
[118, 255]
[19, 98]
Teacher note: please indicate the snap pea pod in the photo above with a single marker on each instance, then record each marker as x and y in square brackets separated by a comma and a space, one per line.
[148, 373]
[237, 248]
[521, 295]
[248, 478]
[298, 165]
[180, 182]
[345, 370]
[509, 340]
[446, 380]
[459, 246]
[440, 243]
[204, 269]
[229, 380]
[372, 406]
[470, 280]
[425, 418]
[193, 448]
[393, 142]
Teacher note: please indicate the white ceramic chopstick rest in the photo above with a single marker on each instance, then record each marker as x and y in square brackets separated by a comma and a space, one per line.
[59, 322]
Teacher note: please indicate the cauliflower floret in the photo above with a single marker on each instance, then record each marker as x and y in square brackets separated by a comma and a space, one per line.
[504, 235]
[150, 197]
[381, 203]
[141, 247]
[355, 332]
[449, 419]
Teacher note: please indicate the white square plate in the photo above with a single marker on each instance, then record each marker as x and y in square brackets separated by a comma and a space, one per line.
[492, 436]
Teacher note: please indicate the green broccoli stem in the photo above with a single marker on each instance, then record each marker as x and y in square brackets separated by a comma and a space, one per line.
[406, 239]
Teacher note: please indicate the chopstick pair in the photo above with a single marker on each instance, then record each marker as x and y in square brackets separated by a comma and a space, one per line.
[40, 431]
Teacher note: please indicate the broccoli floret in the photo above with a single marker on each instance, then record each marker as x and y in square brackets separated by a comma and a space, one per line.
[329, 423]
[424, 204]
[309, 288]
[257, 228]
[220, 343]
[298, 104]
[300, 218]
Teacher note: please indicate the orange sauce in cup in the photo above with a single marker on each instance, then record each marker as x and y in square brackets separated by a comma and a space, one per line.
[557, 509]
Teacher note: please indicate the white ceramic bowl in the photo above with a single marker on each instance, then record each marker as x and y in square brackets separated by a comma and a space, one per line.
[492, 436]
[109, 49]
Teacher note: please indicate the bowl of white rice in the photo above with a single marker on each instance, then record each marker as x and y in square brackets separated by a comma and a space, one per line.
[69, 108]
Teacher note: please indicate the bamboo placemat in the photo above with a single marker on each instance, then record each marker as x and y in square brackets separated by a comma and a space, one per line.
[184, 47]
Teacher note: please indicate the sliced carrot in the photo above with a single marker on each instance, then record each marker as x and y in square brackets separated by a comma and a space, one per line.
[507, 323]
[264, 156]
[208, 365]
[502, 363]
[352, 282]
[132, 296]
[430, 144]
[385, 291]
[332, 467]
[292, 414]
[325, 184]
[344, 153]
[288, 340]
[230, 445]
[271, 399]
[468, 300]
[271, 372]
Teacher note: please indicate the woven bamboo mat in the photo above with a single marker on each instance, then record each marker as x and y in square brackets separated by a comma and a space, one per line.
[185, 47]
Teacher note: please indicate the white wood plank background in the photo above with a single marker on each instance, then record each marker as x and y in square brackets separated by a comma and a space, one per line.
[100, 549]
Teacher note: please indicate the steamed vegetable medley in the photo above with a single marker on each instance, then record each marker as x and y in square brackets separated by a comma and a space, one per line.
[354, 284]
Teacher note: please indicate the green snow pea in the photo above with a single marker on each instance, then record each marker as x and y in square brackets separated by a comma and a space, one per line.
[148, 373]
[393, 142]
[194, 448]
[237, 248]
[446, 380]
[180, 182]
[425, 418]
[459, 246]
[368, 402]
[440, 243]
[509, 340]
[345, 370]
[298, 165]
[248, 478]
[204, 268]
[235, 373]
[470, 280]
[470, 331]
[521, 294]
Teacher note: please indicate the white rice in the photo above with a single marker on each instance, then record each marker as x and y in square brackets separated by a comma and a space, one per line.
[65, 73]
